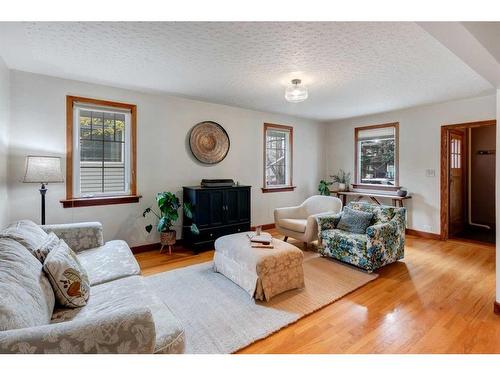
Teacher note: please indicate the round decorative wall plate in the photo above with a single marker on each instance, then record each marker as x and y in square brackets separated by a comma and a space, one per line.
[209, 142]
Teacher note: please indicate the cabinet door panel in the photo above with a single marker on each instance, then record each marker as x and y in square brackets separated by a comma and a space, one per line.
[244, 205]
[202, 209]
[216, 207]
[231, 206]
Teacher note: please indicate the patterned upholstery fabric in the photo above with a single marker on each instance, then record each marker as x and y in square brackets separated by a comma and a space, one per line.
[51, 242]
[78, 236]
[68, 278]
[328, 221]
[125, 293]
[26, 297]
[130, 330]
[109, 262]
[27, 233]
[121, 316]
[262, 273]
[383, 242]
[354, 221]
[381, 214]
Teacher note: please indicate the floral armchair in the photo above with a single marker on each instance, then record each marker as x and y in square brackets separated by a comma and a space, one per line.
[383, 242]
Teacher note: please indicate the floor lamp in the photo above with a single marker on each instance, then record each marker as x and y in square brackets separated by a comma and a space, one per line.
[42, 170]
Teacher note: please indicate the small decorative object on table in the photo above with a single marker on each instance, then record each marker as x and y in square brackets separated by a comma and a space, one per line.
[168, 204]
[261, 240]
[402, 192]
[341, 181]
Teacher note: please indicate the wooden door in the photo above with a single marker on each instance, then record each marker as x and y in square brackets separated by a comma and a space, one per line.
[457, 173]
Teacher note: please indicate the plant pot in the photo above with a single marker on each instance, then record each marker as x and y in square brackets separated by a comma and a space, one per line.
[342, 186]
[167, 239]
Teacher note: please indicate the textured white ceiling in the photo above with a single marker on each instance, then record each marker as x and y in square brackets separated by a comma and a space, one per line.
[351, 69]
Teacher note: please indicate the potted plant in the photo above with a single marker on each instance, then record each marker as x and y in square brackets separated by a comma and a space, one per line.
[341, 180]
[324, 187]
[168, 214]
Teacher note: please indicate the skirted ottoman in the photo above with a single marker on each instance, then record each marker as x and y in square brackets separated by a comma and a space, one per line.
[262, 273]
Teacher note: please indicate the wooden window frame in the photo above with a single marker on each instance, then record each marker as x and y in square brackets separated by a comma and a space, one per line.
[359, 185]
[71, 201]
[290, 187]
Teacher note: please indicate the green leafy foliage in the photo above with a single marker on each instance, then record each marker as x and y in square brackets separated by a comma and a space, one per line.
[168, 214]
[342, 177]
[324, 187]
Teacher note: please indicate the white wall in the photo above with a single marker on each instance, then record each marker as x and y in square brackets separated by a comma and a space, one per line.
[419, 149]
[164, 160]
[4, 121]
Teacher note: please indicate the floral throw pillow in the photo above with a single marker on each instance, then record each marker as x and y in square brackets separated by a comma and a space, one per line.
[67, 276]
[50, 243]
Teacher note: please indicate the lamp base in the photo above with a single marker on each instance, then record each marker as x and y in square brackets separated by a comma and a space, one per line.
[43, 191]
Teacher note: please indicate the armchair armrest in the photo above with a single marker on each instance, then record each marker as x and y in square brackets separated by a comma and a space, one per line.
[296, 212]
[78, 236]
[125, 331]
[386, 241]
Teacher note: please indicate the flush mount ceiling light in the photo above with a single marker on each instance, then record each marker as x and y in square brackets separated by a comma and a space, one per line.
[295, 93]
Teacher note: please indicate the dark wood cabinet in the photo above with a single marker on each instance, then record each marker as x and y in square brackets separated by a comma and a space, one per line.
[216, 212]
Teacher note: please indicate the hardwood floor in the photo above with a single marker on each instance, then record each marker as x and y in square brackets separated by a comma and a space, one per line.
[439, 300]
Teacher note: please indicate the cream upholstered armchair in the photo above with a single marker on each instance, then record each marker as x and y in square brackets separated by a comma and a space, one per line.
[300, 222]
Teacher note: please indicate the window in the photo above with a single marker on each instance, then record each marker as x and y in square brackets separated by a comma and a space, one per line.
[101, 152]
[278, 153]
[377, 156]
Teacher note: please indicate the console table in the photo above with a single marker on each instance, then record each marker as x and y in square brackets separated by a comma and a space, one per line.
[216, 212]
[397, 201]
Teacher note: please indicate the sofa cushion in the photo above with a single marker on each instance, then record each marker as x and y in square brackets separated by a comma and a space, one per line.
[354, 221]
[51, 242]
[381, 214]
[67, 276]
[111, 261]
[347, 247]
[26, 297]
[295, 225]
[27, 233]
[125, 293]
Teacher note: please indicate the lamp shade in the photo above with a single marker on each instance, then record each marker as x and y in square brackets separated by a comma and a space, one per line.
[43, 169]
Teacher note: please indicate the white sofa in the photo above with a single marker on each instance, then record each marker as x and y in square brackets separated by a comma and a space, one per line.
[121, 316]
[299, 222]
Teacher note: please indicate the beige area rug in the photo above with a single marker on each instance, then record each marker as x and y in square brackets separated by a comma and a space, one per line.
[219, 317]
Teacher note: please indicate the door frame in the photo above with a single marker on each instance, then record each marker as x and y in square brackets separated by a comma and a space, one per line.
[444, 163]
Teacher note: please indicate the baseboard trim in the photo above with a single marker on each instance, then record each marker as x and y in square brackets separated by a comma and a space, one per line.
[264, 226]
[496, 307]
[144, 248]
[153, 246]
[421, 234]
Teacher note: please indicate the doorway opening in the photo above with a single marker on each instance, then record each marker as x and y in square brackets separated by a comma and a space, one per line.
[468, 181]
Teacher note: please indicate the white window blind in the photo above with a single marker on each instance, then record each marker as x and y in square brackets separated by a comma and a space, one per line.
[101, 157]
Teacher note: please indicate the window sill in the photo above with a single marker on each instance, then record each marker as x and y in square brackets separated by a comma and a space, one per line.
[376, 187]
[100, 201]
[278, 189]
